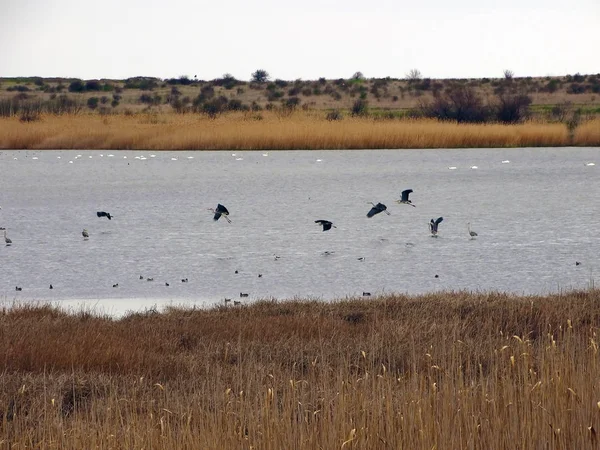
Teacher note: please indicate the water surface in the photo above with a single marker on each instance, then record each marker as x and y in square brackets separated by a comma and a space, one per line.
[536, 215]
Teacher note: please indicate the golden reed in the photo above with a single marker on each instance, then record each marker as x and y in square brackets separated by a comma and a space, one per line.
[449, 370]
[270, 131]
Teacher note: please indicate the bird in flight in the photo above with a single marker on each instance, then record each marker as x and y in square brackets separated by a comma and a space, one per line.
[220, 211]
[433, 225]
[326, 224]
[85, 233]
[376, 209]
[104, 214]
[404, 198]
[471, 232]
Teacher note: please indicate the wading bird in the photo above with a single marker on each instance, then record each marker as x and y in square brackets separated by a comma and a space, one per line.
[104, 214]
[326, 224]
[471, 232]
[220, 211]
[85, 233]
[376, 209]
[404, 198]
[6, 239]
[433, 225]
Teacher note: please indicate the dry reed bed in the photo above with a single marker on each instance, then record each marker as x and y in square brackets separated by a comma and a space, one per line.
[298, 131]
[447, 370]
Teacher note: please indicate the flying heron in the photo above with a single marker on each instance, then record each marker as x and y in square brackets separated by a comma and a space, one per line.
[85, 233]
[6, 239]
[104, 214]
[376, 209]
[471, 232]
[404, 198]
[433, 225]
[326, 224]
[220, 211]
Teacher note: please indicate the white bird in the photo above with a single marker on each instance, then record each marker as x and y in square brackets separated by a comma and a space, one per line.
[6, 239]
[471, 232]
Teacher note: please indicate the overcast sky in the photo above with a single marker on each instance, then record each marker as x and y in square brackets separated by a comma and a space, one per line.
[306, 39]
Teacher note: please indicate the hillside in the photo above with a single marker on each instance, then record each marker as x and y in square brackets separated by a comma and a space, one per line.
[549, 97]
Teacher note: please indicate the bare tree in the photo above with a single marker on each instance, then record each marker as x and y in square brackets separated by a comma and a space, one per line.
[508, 74]
[414, 75]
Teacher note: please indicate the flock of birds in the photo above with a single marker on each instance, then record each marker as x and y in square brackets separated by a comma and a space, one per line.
[222, 211]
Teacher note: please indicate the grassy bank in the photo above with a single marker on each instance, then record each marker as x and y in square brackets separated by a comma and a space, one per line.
[448, 370]
[272, 131]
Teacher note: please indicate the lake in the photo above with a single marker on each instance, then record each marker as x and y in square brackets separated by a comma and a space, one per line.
[535, 212]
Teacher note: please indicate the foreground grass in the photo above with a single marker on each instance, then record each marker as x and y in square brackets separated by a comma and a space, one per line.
[269, 131]
[448, 370]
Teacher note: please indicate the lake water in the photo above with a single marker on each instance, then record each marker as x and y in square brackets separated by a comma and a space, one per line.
[535, 210]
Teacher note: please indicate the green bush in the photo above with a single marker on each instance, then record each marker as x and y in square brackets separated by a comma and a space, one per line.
[92, 102]
[360, 108]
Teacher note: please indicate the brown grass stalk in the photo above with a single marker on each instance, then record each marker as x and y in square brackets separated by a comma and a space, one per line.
[300, 130]
[446, 370]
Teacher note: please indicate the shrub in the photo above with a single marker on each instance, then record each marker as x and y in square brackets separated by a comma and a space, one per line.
[334, 115]
[260, 76]
[274, 95]
[235, 105]
[104, 99]
[92, 85]
[512, 107]
[459, 103]
[360, 108]
[114, 103]
[255, 107]
[228, 81]
[18, 88]
[294, 91]
[141, 83]
[77, 86]
[92, 102]
[307, 92]
[292, 102]
[279, 83]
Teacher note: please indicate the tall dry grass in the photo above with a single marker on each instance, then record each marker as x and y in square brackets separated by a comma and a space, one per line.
[588, 134]
[301, 130]
[447, 370]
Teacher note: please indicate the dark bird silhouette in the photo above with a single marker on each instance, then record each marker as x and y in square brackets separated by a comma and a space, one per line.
[116, 285]
[433, 225]
[260, 275]
[236, 303]
[184, 280]
[141, 277]
[7, 239]
[166, 284]
[377, 208]
[362, 258]
[243, 295]
[404, 199]
[220, 211]
[436, 276]
[51, 287]
[366, 294]
[227, 300]
[149, 279]
[104, 214]
[85, 233]
[17, 288]
[577, 263]
[327, 225]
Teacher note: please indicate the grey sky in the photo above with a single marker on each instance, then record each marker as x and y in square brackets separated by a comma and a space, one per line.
[308, 40]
